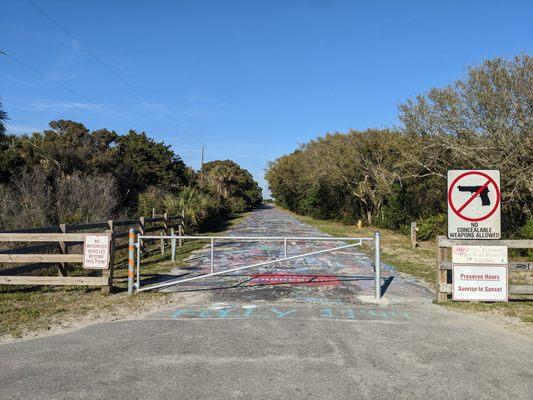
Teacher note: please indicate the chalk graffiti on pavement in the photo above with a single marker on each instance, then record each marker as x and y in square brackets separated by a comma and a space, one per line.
[243, 312]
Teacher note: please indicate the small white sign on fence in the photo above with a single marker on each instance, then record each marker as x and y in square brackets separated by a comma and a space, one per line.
[96, 252]
[480, 283]
[479, 254]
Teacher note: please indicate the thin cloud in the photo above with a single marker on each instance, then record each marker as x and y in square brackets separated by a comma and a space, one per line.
[60, 105]
[156, 106]
[21, 129]
[57, 76]
[12, 79]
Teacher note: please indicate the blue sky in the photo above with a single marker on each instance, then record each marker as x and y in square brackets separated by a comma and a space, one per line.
[250, 79]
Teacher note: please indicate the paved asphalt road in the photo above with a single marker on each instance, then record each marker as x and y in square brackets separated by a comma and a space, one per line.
[247, 337]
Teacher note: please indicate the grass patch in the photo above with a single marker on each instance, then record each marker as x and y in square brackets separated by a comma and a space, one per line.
[25, 309]
[396, 251]
[515, 309]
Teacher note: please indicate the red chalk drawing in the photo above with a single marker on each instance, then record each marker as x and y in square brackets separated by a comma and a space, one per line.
[294, 279]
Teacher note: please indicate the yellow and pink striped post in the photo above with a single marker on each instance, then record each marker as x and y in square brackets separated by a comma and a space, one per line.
[131, 249]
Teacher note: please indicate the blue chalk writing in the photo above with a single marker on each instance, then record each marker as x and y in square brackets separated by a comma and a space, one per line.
[249, 312]
[179, 313]
[224, 312]
[326, 312]
[281, 314]
[349, 314]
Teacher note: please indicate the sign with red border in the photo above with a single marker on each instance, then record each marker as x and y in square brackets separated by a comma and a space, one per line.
[96, 251]
[474, 204]
[480, 283]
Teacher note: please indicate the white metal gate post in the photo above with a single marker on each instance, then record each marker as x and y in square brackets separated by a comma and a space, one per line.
[212, 255]
[377, 265]
[138, 285]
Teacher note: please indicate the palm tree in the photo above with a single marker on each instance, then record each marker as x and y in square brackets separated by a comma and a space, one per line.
[195, 205]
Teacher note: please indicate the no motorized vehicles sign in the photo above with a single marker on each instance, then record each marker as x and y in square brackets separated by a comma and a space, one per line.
[474, 203]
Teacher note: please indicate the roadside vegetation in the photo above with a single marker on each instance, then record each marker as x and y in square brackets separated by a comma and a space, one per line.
[390, 177]
[68, 174]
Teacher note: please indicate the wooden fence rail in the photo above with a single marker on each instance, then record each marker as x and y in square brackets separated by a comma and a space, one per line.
[30, 248]
[105, 280]
[444, 265]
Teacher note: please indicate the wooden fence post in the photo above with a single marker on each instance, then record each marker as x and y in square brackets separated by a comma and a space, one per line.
[63, 250]
[414, 229]
[153, 212]
[162, 244]
[108, 273]
[165, 223]
[442, 274]
[180, 226]
[172, 246]
[111, 227]
[142, 230]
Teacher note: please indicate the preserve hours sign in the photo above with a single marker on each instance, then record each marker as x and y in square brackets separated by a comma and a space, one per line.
[474, 204]
[479, 283]
[479, 273]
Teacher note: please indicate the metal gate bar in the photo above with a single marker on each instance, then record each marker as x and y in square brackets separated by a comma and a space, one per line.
[376, 239]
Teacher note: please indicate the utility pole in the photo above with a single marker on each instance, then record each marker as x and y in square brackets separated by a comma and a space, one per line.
[202, 170]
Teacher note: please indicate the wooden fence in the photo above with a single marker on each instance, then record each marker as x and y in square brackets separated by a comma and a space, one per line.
[444, 265]
[62, 258]
[59, 245]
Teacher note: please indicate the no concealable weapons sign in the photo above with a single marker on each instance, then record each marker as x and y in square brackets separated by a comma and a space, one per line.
[474, 204]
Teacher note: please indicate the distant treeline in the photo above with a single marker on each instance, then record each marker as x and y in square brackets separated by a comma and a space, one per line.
[68, 174]
[390, 177]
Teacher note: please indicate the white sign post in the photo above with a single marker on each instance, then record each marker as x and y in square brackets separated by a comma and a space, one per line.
[474, 204]
[96, 251]
[479, 273]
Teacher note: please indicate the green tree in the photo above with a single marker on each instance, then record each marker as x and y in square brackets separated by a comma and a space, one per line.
[7, 158]
[141, 162]
[391, 177]
[233, 184]
[3, 119]
[198, 207]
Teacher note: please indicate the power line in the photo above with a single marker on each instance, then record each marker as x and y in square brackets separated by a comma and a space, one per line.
[65, 87]
[112, 71]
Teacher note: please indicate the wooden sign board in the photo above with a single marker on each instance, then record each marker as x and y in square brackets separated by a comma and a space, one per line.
[96, 251]
[479, 255]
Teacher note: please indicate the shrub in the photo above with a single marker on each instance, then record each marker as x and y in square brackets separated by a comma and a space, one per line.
[526, 232]
[151, 199]
[86, 198]
[198, 208]
[431, 227]
[237, 205]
